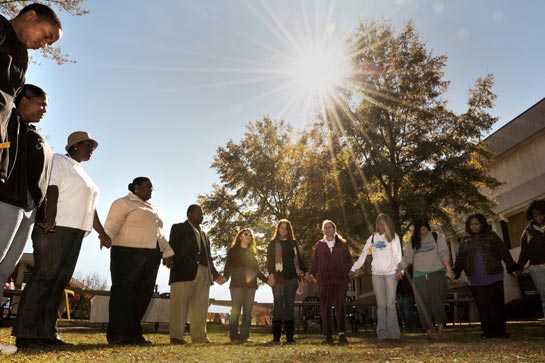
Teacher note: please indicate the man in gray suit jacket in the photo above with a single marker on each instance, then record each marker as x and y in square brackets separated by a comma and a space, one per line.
[191, 276]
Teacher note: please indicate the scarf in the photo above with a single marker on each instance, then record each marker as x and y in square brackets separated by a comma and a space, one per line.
[279, 267]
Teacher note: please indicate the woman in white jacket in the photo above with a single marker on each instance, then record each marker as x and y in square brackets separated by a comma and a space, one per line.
[385, 248]
[137, 249]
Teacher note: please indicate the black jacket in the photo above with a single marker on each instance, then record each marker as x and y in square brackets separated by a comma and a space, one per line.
[13, 66]
[532, 246]
[186, 253]
[288, 259]
[30, 161]
[493, 250]
[242, 267]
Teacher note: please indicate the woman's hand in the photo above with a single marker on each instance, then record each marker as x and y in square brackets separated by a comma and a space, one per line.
[48, 225]
[105, 240]
[309, 278]
[271, 280]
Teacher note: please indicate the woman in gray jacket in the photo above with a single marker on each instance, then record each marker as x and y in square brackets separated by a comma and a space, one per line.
[428, 253]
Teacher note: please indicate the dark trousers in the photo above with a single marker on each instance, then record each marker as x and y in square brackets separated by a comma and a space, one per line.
[242, 299]
[134, 271]
[284, 299]
[55, 257]
[490, 304]
[333, 296]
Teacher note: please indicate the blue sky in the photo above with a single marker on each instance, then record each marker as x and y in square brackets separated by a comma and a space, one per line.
[160, 88]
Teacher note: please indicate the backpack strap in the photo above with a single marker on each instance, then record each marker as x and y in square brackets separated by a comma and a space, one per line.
[434, 234]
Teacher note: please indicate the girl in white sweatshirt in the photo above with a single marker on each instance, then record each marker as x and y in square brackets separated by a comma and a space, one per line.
[386, 251]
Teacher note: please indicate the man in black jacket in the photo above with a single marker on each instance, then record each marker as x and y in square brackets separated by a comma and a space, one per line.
[191, 276]
[36, 26]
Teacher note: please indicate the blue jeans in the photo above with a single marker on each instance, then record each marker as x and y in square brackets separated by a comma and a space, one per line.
[15, 228]
[384, 287]
[538, 276]
[55, 257]
[408, 311]
[242, 299]
[284, 299]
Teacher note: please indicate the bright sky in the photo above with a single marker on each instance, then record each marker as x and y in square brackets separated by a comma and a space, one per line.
[161, 87]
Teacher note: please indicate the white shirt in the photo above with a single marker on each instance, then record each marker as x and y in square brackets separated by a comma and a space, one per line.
[78, 194]
[386, 255]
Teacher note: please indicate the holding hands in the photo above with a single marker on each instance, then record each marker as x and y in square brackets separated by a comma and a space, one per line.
[168, 261]
[221, 280]
[105, 240]
[271, 280]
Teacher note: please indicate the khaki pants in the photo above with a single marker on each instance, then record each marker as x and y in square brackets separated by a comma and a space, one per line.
[190, 299]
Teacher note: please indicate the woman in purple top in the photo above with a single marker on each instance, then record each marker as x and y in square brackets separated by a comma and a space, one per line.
[480, 254]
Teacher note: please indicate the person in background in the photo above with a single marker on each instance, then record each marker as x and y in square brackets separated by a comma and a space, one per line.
[69, 216]
[191, 276]
[386, 251]
[137, 248]
[532, 246]
[286, 269]
[36, 26]
[331, 264]
[429, 255]
[242, 267]
[30, 160]
[406, 295]
[480, 255]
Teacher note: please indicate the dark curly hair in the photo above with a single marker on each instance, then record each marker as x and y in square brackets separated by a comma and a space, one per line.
[537, 205]
[485, 227]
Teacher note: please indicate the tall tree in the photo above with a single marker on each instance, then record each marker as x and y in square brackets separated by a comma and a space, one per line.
[411, 155]
[10, 9]
[272, 173]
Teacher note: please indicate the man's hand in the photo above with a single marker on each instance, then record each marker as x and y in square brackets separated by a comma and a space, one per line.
[168, 261]
[221, 280]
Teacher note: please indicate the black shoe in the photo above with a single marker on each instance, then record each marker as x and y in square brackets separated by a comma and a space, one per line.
[140, 341]
[175, 341]
[328, 340]
[29, 343]
[343, 340]
[56, 341]
[485, 336]
[119, 341]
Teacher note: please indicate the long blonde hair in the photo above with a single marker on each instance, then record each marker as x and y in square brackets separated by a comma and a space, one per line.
[251, 245]
[388, 225]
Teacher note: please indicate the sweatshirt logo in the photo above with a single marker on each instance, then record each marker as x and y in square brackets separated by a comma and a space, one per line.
[380, 245]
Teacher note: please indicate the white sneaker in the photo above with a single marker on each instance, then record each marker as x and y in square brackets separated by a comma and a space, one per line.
[7, 349]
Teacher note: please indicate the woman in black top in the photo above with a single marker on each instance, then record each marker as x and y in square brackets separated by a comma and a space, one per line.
[532, 246]
[243, 269]
[285, 268]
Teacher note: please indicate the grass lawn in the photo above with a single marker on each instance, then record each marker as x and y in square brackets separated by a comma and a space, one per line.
[462, 345]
